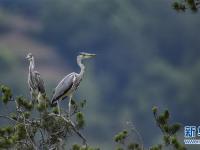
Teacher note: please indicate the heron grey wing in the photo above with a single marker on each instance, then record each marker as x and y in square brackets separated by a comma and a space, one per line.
[39, 82]
[63, 87]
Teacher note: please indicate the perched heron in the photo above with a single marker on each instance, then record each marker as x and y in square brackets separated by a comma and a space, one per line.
[68, 85]
[35, 82]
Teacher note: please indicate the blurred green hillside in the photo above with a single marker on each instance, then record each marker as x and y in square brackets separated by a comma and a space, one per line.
[147, 54]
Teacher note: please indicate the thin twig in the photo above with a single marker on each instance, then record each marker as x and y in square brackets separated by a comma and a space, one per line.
[133, 129]
[43, 140]
[32, 142]
[9, 118]
[21, 142]
[73, 127]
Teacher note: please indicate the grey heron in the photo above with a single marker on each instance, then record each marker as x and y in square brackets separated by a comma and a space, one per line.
[35, 82]
[68, 85]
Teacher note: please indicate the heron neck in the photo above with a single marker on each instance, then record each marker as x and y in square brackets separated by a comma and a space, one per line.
[79, 61]
[32, 65]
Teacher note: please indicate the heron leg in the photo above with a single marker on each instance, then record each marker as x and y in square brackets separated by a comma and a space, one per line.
[58, 108]
[32, 99]
[69, 105]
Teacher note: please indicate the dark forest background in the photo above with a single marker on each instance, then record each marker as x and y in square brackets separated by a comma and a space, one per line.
[147, 54]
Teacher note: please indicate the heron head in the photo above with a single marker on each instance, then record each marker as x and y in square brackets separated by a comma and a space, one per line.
[85, 55]
[29, 56]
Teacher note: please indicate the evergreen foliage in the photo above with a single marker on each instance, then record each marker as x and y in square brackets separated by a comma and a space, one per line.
[169, 132]
[182, 5]
[38, 126]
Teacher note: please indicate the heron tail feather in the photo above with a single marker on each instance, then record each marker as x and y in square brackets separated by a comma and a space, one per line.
[53, 102]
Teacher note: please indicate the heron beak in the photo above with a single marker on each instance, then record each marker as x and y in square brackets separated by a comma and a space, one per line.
[92, 55]
[87, 55]
[27, 57]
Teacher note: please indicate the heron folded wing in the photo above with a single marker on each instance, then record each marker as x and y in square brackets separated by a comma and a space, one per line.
[39, 82]
[63, 87]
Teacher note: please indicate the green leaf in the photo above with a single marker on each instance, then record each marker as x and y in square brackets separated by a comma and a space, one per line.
[80, 120]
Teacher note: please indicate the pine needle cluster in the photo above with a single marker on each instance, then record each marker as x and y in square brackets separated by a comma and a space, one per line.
[38, 126]
[169, 131]
[183, 5]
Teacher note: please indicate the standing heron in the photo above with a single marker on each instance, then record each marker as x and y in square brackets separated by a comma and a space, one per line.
[68, 85]
[35, 82]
